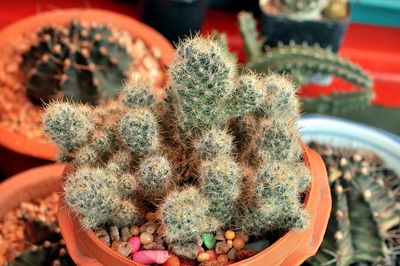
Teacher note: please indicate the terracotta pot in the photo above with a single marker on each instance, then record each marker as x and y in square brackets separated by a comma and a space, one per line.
[291, 249]
[33, 184]
[18, 152]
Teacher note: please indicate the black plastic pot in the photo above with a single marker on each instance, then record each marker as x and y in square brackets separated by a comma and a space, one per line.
[280, 28]
[236, 5]
[175, 19]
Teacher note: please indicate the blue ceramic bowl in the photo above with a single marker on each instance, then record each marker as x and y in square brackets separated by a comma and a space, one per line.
[347, 134]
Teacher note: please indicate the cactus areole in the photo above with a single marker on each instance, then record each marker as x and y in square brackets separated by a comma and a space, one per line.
[221, 151]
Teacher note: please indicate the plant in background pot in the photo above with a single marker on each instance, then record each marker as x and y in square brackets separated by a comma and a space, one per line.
[29, 233]
[76, 54]
[219, 162]
[365, 217]
[322, 22]
[175, 19]
[300, 62]
[305, 64]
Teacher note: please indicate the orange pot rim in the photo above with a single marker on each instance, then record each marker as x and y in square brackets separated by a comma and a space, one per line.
[32, 184]
[292, 248]
[32, 147]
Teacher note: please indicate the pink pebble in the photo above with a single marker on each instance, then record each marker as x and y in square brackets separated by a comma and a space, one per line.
[135, 242]
[151, 256]
[200, 248]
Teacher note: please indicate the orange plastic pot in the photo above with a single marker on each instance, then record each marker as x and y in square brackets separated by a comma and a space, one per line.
[291, 249]
[30, 185]
[17, 152]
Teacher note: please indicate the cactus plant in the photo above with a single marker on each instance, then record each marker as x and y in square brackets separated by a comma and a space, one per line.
[45, 245]
[81, 61]
[362, 195]
[134, 157]
[301, 9]
[300, 62]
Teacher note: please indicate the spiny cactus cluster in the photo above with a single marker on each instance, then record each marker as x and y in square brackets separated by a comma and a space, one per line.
[300, 62]
[81, 61]
[221, 151]
[365, 215]
[301, 9]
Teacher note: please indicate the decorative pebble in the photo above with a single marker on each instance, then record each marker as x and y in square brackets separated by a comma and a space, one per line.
[173, 260]
[220, 236]
[242, 236]
[115, 244]
[151, 256]
[103, 235]
[245, 254]
[230, 235]
[114, 233]
[258, 246]
[159, 240]
[185, 251]
[212, 253]
[149, 227]
[232, 254]
[229, 242]
[200, 249]
[209, 240]
[222, 259]
[124, 249]
[135, 230]
[185, 262]
[202, 257]
[222, 248]
[238, 243]
[135, 242]
[153, 246]
[146, 238]
[125, 234]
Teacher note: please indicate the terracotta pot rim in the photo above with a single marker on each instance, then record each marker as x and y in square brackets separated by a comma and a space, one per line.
[30, 184]
[293, 247]
[32, 147]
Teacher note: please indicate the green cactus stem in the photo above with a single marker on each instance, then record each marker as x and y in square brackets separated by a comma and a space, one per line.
[338, 102]
[361, 196]
[300, 62]
[201, 88]
[220, 181]
[185, 215]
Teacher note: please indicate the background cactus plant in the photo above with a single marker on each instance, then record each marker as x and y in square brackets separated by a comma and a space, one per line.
[133, 161]
[301, 9]
[362, 195]
[82, 62]
[300, 62]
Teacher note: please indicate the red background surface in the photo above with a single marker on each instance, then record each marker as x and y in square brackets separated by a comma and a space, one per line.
[375, 48]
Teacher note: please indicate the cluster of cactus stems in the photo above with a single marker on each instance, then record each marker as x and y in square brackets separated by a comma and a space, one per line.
[301, 9]
[364, 211]
[300, 62]
[221, 150]
[81, 61]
